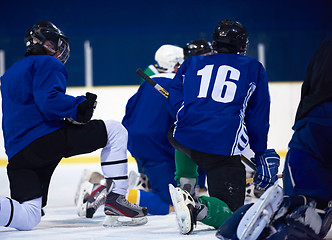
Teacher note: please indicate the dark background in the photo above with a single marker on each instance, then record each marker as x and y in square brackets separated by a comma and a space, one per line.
[124, 35]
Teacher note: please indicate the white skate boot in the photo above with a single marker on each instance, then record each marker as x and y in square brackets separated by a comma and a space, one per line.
[186, 209]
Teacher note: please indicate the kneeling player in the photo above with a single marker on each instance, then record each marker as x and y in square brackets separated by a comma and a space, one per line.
[37, 136]
[221, 103]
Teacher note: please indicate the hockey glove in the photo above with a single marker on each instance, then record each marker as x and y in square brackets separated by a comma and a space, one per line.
[267, 169]
[85, 109]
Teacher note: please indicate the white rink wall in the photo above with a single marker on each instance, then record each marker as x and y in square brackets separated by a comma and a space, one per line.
[284, 101]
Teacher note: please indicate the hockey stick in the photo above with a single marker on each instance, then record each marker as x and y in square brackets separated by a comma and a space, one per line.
[152, 82]
[165, 94]
[250, 163]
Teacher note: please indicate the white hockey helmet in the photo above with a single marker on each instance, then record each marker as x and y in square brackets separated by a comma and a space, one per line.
[167, 56]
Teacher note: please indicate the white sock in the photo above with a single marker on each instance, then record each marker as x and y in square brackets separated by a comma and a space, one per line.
[114, 156]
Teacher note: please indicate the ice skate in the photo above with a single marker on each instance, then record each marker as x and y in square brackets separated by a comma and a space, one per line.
[186, 209]
[84, 177]
[87, 175]
[139, 181]
[259, 215]
[121, 212]
[91, 197]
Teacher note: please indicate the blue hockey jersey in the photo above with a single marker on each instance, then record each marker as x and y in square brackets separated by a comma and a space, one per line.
[221, 104]
[34, 102]
[147, 120]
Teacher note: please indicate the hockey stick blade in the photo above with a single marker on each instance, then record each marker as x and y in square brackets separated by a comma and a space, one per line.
[152, 82]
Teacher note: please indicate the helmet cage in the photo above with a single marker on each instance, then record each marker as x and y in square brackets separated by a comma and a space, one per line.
[50, 38]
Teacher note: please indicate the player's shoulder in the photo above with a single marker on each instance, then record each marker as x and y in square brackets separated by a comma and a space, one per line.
[250, 62]
[235, 56]
[37, 62]
[47, 63]
[45, 60]
[163, 75]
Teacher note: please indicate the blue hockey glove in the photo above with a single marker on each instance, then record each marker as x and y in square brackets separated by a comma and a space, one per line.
[267, 168]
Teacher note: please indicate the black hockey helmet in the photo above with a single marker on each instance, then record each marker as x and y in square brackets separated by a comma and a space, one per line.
[230, 37]
[196, 48]
[43, 38]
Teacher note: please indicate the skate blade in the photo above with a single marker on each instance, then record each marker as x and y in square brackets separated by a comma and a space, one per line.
[182, 213]
[86, 189]
[118, 221]
[259, 215]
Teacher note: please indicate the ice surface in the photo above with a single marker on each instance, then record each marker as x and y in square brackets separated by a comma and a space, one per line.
[62, 222]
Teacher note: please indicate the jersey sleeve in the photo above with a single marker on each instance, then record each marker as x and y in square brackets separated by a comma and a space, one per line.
[49, 88]
[257, 113]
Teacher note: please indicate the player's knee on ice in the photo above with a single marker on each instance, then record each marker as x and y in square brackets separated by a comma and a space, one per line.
[23, 216]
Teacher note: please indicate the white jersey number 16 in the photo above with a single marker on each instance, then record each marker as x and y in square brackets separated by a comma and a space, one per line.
[223, 91]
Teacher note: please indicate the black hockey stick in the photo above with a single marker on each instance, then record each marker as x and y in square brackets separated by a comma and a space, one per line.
[165, 94]
[152, 82]
[250, 163]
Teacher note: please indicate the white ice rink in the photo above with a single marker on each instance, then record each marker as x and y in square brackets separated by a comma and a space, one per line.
[62, 222]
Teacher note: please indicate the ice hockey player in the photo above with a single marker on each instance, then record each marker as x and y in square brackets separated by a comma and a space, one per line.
[221, 103]
[305, 211]
[163, 57]
[147, 121]
[166, 57]
[34, 106]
